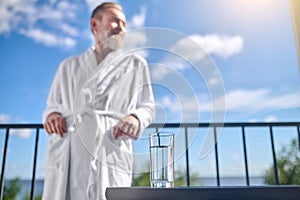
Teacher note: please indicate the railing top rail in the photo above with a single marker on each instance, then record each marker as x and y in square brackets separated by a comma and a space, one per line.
[226, 124]
[17, 126]
[178, 125]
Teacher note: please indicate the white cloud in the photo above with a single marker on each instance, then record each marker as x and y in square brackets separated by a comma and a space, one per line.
[4, 16]
[189, 49]
[196, 47]
[69, 30]
[167, 102]
[172, 61]
[22, 133]
[53, 2]
[7, 12]
[158, 73]
[4, 118]
[256, 100]
[252, 120]
[138, 20]
[241, 100]
[135, 41]
[67, 9]
[271, 118]
[222, 46]
[50, 24]
[214, 81]
[49, 39]
[183, 108]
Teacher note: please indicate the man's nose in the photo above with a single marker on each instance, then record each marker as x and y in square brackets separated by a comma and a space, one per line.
[118, 27]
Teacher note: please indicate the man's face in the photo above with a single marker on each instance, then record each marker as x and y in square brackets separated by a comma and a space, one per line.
[109, 30]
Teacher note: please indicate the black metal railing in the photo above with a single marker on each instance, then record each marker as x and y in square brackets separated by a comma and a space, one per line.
[159, 126]
[37, 127]
[241, 125]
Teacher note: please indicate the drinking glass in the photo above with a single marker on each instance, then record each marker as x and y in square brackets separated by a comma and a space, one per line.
[161, 159]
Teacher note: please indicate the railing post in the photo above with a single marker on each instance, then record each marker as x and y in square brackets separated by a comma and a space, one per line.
[34, 164]
[216, 156]
[245, 156]
[3, 164]
[187, 157]
[298, 128]
[274, 156]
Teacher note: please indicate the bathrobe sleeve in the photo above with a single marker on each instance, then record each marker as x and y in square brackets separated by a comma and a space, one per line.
[145, 105]
[60, 94]
[54, 97]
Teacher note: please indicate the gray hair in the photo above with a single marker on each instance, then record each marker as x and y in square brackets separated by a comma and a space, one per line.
[105, 6]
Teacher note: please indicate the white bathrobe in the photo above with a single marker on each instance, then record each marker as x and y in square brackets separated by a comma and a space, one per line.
[93, 98]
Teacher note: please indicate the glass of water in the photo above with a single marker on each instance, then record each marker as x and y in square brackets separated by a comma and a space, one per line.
[161, 159]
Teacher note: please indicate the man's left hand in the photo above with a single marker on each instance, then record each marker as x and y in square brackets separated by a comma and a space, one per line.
[128, 126]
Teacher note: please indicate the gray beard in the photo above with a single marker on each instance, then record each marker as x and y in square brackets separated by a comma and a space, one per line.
[114, 42]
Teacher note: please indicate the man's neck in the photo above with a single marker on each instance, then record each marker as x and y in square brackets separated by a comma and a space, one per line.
[101, 53]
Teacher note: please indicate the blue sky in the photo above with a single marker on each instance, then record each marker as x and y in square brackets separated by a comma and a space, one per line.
[249, 42]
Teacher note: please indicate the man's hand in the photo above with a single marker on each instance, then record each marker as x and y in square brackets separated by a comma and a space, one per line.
[55, 123]
[128, 126]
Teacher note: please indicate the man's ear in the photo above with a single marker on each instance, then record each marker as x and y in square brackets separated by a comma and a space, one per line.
[93, 25]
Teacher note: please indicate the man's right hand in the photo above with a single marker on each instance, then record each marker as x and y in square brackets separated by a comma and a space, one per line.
[55, 123]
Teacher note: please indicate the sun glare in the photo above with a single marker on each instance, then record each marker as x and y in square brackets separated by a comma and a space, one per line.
[255, 9]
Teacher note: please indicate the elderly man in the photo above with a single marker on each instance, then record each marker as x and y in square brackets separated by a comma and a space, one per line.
[99, 101]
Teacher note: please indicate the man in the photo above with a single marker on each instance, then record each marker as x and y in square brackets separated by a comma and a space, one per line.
[99, 101]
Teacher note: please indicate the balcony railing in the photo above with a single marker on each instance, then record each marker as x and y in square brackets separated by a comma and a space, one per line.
[158, 126]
